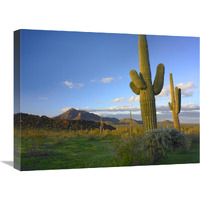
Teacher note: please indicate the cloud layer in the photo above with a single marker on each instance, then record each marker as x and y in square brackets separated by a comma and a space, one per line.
[189, 112]
[130, 107]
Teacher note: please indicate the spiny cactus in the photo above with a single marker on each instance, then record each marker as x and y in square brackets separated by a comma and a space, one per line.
[142, 85]
[175, 105]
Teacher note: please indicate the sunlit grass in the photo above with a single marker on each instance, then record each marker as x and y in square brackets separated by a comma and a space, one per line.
[42, 149]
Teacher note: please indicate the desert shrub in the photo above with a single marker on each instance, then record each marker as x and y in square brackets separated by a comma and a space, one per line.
[137, 130]
[93, 134]
[127, 151]
[189, 130]
[192, 133]
[105, 134]
[157, 142]
[148, 148]
[194, 137]
[180, 141]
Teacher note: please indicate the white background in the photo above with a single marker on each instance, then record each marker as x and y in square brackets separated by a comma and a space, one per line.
[171, 17]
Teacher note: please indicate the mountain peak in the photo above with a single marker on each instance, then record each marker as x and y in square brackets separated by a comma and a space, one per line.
[71, 109]
[73, 114]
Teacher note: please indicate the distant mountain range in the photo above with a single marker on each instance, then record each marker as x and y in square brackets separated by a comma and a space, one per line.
[73, 114]
[27, 121]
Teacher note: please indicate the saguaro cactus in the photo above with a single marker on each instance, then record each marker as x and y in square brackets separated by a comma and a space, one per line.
[142, 85]
[175, 105]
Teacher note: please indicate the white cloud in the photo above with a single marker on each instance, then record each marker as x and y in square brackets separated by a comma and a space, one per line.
[186, 86]
[43, 98]
[73, 85]
[189, 106]
[165, 92]
[131, 99]
[118, 100]
[186, 90]
[67, 108]
[107, 80]
[96, 113]
[135, 99]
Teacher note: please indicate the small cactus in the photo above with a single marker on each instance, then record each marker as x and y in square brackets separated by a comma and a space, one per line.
[175, 105]
[101, 125]
[130, 124]
[142, 85]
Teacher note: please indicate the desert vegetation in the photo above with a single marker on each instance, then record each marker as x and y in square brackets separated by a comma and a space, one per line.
[45, 149]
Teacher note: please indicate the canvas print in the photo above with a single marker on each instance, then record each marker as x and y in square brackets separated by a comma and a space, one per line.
[87, 100]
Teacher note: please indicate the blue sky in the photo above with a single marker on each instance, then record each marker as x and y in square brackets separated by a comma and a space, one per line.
[90, 71]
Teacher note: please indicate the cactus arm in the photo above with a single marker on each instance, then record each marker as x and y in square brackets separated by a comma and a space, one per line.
[134, 88]
[170, 106]
[138, 82]
[179, 90]
[159, 79]
[178, 99]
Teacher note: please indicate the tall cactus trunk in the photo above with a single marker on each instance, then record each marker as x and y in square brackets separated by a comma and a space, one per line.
[147, 100]
[175, 105]
[149, 118]
[176, 121]
[142, 84]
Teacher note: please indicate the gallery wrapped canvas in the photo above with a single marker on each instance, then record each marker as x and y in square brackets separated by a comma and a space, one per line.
[86, 100]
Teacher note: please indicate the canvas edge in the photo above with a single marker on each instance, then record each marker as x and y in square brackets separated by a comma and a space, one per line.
[17, 143]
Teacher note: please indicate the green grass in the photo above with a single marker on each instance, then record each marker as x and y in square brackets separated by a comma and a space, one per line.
[74, 152]
[66, 150]
[191, 156]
